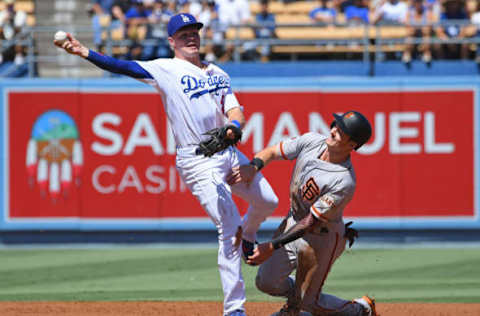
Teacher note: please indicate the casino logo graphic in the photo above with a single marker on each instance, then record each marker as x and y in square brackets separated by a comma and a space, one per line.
[54, 154]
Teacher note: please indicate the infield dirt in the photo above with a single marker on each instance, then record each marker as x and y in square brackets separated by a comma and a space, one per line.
[210, 309]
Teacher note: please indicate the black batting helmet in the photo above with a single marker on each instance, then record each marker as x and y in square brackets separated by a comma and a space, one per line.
[355, 125]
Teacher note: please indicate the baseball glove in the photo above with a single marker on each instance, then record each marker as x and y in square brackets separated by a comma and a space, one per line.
[351, 234]
[218, 140]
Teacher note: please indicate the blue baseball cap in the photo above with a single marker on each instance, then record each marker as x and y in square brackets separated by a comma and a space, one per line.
[182, 20]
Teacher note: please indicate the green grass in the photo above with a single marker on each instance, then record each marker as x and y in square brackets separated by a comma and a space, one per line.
[427, 275]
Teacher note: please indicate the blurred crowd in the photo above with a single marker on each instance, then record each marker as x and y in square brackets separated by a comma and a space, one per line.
[142, 24]
[144, 20]
[12, 22]
[445, 20]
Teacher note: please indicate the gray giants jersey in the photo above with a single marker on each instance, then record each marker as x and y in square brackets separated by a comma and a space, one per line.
[317, 186]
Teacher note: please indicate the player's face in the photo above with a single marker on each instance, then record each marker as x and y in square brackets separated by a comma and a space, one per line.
[186, 42]
[338, 139]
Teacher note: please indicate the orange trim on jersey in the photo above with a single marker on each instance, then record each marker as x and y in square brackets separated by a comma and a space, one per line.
[318, 214]
[281, 151]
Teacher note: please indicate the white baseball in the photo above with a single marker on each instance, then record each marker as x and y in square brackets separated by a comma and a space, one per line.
[60, 37]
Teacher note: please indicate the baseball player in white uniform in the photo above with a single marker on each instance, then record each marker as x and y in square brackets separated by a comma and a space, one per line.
[197, 98]
[313, 235]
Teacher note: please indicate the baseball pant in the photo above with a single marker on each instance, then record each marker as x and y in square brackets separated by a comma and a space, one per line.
[312, 256]
[205, 177]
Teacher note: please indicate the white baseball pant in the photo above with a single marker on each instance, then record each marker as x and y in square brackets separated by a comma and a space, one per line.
[205, 177]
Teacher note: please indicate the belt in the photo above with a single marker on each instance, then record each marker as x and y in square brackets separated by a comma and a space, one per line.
[320, 230]
[199, 151]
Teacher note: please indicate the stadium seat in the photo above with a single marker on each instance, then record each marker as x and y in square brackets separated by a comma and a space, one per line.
[301, 7]
[278, 7]
[338, 36]
[117, 34]
[340, 32]
[28, 6]
[320, 33]
[137, 32]
[275, 7]
[287, 18]
[22, 5]
[244, 33]
[31, 20]
[389, 32]
[310, 49]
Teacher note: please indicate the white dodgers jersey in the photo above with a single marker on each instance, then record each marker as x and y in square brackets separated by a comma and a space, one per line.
[195, 99]
[317, 186]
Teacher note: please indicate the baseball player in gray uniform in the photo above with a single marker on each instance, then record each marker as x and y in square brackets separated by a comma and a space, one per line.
[313, 235]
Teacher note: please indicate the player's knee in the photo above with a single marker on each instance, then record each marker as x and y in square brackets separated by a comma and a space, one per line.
[273, 202]
[265, 284]
[261, 283]
[269, 203]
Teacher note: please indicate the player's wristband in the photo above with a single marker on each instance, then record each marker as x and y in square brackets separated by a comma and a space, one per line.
[291, 235]
[276, 244]
[258, 163]
[236, 123]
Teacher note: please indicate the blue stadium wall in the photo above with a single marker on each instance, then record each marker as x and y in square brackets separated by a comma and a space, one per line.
[353, 68]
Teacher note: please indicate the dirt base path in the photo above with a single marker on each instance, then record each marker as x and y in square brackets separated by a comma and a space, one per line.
[209, 309]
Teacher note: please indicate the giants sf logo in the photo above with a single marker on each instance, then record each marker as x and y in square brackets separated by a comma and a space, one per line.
[310, 190]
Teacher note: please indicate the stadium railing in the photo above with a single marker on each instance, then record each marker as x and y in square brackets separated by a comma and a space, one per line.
[294, 40]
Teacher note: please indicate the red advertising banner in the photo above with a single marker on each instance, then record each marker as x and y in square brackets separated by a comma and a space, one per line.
[110, 155]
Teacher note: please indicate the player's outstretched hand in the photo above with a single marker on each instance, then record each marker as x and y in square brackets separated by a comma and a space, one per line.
[261, 253]
[72, 46]
[243, 173]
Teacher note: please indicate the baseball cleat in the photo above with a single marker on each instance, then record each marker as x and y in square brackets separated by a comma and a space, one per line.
[237, 312]
[369, 304]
